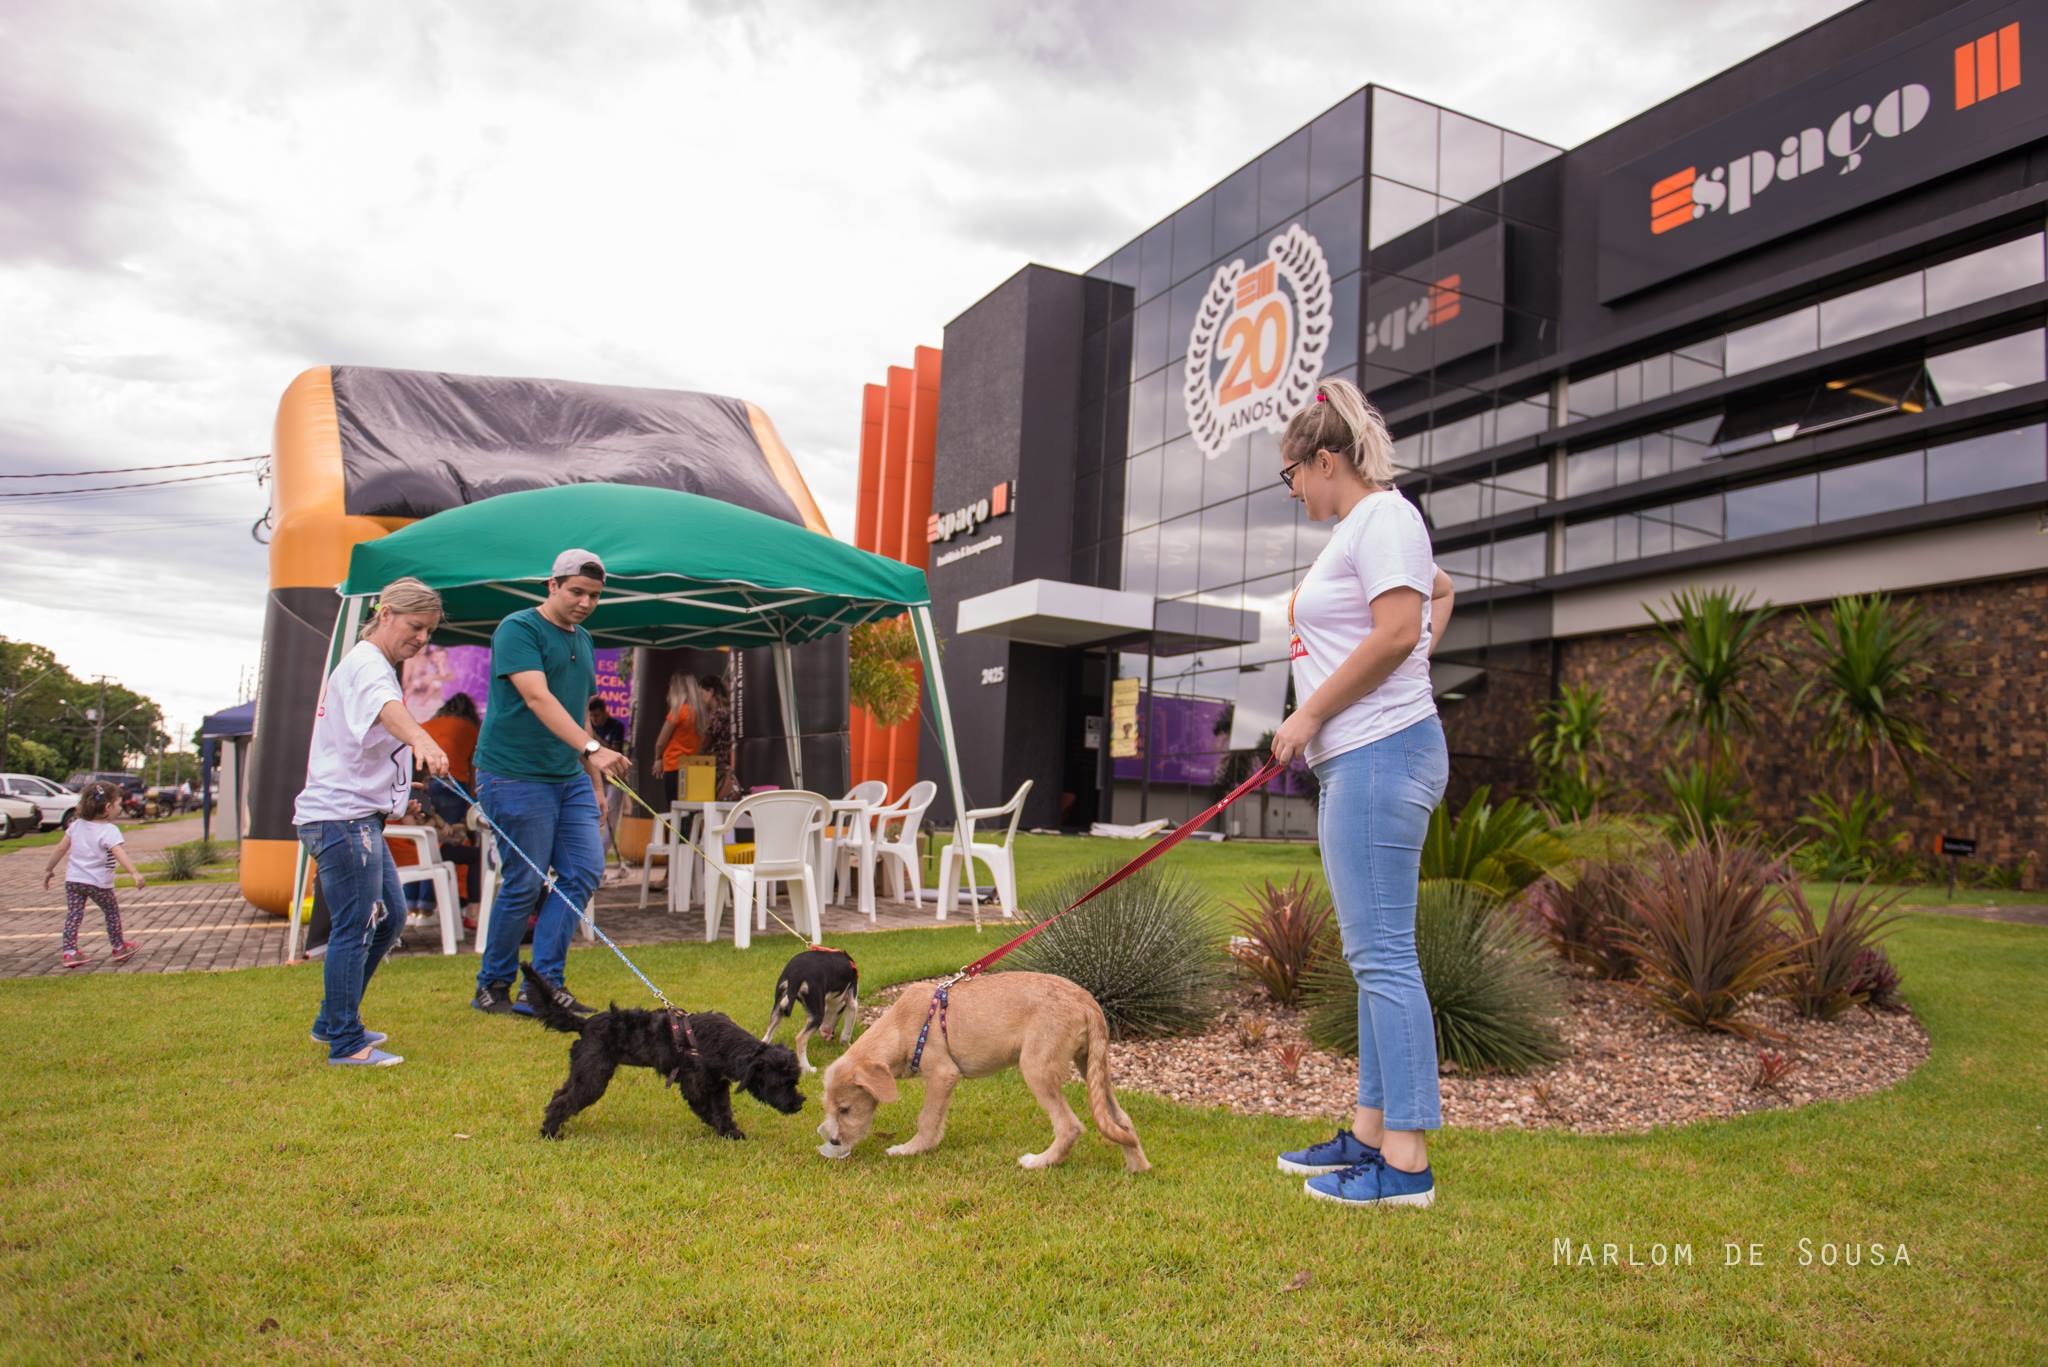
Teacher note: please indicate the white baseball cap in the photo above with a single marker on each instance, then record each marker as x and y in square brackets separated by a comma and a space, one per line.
[572, 561]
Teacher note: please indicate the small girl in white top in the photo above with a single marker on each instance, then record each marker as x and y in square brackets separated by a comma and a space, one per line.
[94, 846]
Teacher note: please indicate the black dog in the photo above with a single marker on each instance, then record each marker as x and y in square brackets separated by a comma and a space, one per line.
[826, 983]
[704, 1053]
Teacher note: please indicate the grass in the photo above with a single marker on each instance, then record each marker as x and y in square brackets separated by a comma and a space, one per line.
[184, 1180]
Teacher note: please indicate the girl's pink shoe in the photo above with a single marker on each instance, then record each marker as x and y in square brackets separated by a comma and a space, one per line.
[74, 958]
[126, 951]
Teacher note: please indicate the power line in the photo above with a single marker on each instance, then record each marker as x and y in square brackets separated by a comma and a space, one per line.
[115, 488]
[139, 469]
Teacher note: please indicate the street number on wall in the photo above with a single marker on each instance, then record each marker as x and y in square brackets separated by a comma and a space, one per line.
[992, 675]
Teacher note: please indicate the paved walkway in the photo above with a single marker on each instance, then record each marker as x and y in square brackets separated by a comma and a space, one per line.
[205, 926]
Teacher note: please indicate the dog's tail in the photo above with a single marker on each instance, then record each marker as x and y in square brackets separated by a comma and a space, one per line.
[1110, 1120]
[540, 995]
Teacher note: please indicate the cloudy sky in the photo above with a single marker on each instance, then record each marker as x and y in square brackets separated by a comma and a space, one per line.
[775, 201]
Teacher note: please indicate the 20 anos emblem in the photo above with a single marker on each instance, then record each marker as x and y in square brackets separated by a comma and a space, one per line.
[1257, 347]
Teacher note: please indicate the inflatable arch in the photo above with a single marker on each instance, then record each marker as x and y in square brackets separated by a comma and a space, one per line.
[360, 452]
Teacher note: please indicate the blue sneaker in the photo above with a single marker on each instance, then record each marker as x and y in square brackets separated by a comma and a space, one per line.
[377, 1059]
[1373, 1183]
[1341, 1150]
[370, 1037]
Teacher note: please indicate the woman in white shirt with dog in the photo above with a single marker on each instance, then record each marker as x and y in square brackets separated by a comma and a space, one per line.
[1363, 628]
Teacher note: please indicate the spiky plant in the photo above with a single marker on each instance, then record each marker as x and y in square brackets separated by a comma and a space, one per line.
[1713, 657]
[1827, 974]
[1502, 848]
[1877, 981]
[1702, 798]
[1584, 921]
[181, 864]
[1495, 996]
[1846, 842]
[1278, 931]
[1703, 933]
[1570, 750]
[1147, 949]
[1871, 664]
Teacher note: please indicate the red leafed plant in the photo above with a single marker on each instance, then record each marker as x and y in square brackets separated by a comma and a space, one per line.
[1829, 971]
[1291, 1055]
[1772, 1068]
[1275, 937]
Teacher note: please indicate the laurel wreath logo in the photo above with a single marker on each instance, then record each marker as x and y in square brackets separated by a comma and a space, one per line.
[1301, 266]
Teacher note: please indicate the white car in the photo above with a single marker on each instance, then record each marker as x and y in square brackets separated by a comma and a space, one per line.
[18, 816]
[55, 804]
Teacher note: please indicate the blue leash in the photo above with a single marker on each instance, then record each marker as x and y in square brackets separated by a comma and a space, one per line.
[548, 881]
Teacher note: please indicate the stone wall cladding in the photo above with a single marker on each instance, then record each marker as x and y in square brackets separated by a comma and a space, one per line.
[1996, 729]
[1488, 731]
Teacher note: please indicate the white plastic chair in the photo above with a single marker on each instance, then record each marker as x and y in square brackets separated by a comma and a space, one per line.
[487, 893]
[897, 851]
[785, 823]
[953, 860]
[664, 842]
[431, 868]
[849, 849]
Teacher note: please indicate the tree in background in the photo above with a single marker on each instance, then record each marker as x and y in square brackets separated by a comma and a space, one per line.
[45, 703]
[1570, 750]
[882, 670]
[1712, 665]
[1871, 665]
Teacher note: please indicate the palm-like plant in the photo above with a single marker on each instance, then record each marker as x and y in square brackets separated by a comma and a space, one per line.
[1870, 663]
[882, 670]
[1714, 657]
[1500, 849]
[1570, 747]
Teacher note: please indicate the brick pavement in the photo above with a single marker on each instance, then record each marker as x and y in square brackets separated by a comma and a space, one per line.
[207, 926]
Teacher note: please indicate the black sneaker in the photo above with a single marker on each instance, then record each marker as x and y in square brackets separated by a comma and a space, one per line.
[492, 997]
[561, 996]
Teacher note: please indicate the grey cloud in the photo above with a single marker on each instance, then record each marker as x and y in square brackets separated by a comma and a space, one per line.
[75, 181]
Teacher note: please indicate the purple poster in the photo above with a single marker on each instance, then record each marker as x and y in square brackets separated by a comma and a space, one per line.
[1187, 740]
[438, 673]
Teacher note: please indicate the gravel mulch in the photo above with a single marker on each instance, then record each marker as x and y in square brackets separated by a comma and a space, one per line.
[1628, 1069]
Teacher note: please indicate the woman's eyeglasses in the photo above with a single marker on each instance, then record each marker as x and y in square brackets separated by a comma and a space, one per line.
[1287, 473]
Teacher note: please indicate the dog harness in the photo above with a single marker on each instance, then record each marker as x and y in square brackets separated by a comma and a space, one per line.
[685, 1042]
[938, 1009]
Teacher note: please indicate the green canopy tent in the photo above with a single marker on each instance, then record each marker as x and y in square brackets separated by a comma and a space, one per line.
[680, 570]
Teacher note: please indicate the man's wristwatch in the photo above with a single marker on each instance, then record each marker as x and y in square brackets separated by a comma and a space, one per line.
[592, 746]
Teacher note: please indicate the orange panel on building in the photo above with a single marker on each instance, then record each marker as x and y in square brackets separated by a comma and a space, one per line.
[898, 440]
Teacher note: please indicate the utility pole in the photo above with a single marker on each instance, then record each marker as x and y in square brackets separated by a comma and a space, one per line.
[99, 723]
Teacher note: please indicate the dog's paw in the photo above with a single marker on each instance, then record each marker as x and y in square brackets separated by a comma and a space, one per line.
[732, 1134]
[1034, 1160]
[551, 1134]
[903, 1150]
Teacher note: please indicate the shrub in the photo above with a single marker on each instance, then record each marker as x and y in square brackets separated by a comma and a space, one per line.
[1827, 955]
[1845, 844]
[1877, 982]
[1494, 996]
[1147, 950]
[181, 864]
[1585, 921]
[1703, 799]
[1570, 748]
[1502, 849]
[1279, 931]
[1703, 934]
[205, 849]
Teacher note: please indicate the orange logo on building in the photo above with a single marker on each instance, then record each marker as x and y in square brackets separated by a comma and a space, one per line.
[1444, 298]
[1989, 66]
[1671, 201]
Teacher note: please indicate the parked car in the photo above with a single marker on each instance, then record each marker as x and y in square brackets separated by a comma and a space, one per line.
[120, 778]
[56, 803]
[18, 816]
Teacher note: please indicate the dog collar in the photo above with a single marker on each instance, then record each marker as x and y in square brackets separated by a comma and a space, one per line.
[685, 1041]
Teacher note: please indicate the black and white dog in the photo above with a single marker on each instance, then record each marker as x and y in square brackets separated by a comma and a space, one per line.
[705, 1053]
[826, 983]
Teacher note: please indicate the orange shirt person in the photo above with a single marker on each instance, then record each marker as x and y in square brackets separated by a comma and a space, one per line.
[454, 728]
[679, 730]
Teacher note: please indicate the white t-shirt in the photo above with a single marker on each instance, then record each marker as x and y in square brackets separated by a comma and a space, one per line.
[92, 853]
[355, 767]
[1382, 544]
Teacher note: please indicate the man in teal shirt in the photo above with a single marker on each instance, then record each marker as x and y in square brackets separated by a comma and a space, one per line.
[534, 761]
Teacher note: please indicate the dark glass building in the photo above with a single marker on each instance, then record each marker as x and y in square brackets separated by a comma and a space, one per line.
[1782, 332]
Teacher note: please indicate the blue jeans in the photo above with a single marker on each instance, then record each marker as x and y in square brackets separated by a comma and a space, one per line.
[1376, 802]
[366, 910]
[558, 826]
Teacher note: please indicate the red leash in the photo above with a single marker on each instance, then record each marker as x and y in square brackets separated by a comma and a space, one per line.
[1267, 772]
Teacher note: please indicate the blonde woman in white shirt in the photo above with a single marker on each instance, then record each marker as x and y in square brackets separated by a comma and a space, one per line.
[1364, 622]
[358, 776]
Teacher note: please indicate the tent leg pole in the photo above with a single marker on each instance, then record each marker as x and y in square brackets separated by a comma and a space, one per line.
[928, 651]
[785, 687]
[348, 619]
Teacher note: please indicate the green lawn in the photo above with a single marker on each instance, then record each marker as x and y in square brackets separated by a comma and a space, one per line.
[184, 1180]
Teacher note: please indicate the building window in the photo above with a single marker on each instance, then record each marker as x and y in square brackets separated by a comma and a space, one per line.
[1404, 139]
[1873, 308]
[1773, 340]
[1984, 275]
[1987, 368]
[1980, 465]
[1875, 486]
[1503, 493]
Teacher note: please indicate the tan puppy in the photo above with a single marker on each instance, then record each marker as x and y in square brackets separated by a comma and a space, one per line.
[1044, 1025]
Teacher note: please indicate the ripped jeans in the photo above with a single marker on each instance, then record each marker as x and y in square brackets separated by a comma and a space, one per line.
[359, 883]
